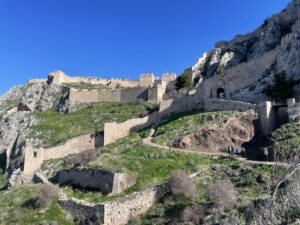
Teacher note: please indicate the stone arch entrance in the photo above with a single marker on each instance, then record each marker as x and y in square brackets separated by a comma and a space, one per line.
[221, 93]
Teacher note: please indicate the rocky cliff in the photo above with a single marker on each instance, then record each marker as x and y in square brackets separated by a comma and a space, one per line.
[280, 32]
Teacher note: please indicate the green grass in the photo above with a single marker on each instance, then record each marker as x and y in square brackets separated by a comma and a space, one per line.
[54, 128]
[152, 166]
[16, 208]
[183, 124]
[148, 165]
[85, 86]
[287, 136]
[245, 183]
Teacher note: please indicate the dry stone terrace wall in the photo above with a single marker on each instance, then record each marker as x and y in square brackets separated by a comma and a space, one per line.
[104, 181]
[117, 212]
[34, 157]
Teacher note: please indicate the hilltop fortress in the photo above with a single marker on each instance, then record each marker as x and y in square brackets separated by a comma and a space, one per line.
[91, 89]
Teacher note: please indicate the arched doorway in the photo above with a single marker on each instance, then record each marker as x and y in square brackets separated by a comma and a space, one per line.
[221, 93]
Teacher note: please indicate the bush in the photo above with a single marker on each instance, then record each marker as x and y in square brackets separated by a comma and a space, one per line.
[180, 184]
[184, 80]
[193, 214]
[82, 158]
[222, 194]
[282, 88]
[44, 196]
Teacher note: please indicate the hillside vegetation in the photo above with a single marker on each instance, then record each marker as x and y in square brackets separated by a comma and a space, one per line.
[17, 207]
[54, 128]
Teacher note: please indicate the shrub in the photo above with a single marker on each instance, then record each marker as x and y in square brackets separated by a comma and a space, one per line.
[184, 80]
[222, 194]
[44, 196]
[193, 214]
[82, 158]
[283, 88]
[180, 184]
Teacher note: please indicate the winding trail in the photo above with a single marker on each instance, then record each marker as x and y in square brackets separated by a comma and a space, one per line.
[149, 141]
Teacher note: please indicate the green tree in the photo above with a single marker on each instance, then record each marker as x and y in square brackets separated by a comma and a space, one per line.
[184, 80]
[283, 87]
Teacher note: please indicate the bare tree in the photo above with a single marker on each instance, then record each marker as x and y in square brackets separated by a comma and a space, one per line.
[45, 195]
[288, 162]
[182, 184]
[222, 194]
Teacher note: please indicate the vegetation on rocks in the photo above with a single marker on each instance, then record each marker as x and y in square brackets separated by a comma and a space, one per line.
[286, 137]
[183, 124]
[18, 207]
[283, 87]
[54, 128]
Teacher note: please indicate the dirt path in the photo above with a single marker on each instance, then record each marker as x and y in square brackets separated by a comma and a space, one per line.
[149, 141]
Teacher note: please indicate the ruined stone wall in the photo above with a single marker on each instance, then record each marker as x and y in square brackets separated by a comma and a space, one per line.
[117, 212]
[34, 157]
[168, 77]
[178, 105]
[36, 81]
[114, 131]
[227, 105]
[156, 93]
[133, 94]
[83, 211]
[147, 80]
[90, 96]
[120, 212]
[104, 181]
[238, 77]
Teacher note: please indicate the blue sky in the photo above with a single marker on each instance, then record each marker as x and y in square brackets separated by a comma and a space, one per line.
[117, 38]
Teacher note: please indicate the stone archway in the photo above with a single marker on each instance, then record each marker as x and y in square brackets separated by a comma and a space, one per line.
[221, 93]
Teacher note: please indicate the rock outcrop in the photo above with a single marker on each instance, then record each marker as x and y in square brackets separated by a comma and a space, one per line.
[280, 32]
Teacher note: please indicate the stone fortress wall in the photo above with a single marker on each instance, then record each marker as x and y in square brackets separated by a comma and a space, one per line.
[34, 157]
[147, 88]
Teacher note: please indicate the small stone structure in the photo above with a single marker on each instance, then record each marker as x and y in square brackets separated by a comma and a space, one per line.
[117, 212]
[274, 114]
[93, 179]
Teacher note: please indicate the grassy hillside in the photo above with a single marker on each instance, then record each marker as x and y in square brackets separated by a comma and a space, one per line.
[287, 136]
[147, 164]
[183, 124]
[54, 128]
[17, 208]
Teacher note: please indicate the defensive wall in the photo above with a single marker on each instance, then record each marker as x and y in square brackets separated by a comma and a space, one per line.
[117, 212]
[106, 182]
[114, 131]
[34, 157]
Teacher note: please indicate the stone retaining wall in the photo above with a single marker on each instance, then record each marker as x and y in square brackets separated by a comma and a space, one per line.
[117, 212]
[101, 180]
